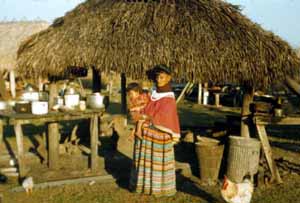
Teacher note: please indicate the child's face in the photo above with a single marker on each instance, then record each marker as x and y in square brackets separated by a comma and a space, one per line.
[133, 94]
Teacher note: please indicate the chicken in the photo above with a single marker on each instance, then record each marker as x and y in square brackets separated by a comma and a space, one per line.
[237, 192]
[28, 185]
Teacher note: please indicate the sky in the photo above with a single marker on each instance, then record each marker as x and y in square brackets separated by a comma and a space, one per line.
[278, 16]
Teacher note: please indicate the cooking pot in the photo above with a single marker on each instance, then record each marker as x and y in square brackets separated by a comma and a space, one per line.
[39, 107]
[95, 101]
[71, 100]
[23, 107]
[30, 96]
[3, 105]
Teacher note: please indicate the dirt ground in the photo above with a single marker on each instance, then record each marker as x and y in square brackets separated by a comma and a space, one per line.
[199, 120]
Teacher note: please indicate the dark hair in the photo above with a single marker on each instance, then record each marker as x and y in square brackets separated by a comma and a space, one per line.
[161, 68]
[134, 86]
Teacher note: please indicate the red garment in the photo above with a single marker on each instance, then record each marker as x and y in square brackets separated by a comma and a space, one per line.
[163, 113]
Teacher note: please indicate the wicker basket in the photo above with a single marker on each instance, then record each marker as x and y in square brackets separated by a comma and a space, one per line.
[243, 157]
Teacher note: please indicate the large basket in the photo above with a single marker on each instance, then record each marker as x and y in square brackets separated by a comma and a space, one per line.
[209, 159]
[243, 157]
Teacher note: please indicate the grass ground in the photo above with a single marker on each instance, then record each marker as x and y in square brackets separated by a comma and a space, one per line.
[189, 188]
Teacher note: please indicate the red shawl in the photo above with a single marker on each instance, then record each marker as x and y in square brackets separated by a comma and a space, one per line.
[162, 110]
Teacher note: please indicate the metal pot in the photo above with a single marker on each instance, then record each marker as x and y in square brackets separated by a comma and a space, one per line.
[72, 100]
[39, 107]
[95, 101]
[30, 96]
[3, 105]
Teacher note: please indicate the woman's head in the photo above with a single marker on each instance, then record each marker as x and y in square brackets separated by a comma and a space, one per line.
[134, 90]
[162, 75]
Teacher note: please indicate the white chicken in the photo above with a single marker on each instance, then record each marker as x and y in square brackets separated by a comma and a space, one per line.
[28, 185]
[237, 192]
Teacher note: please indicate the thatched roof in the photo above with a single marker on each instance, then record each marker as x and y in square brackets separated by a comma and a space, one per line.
[11, 36]
[298, 52]
[200, 39]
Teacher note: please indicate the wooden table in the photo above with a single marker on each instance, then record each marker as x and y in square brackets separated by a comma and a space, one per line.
[51, 119]
[261, 122]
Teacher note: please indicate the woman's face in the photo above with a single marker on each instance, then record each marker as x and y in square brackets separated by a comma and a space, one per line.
[162, 79]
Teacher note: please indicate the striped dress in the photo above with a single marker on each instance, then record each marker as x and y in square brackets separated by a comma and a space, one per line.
[153, 170]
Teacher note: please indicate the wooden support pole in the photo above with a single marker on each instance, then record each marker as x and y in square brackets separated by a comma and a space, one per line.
[268, 152]
[96, 80]
[205, 94]
[183, 92]
[123, 93]
[2, 87]
[217, 99]
[247, 100]
[1, 133]
[53, 148]
[199, 93]
[20, 148]
[52, 94]
[12, 82]
[94, 142]
[40, 83]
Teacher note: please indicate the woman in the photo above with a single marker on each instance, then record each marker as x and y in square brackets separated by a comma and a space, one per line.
[154, 165]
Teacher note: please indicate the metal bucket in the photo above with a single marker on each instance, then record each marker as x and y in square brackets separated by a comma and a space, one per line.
[243, 157]
[209, 158]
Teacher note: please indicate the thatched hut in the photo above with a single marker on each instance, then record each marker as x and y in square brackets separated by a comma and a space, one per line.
[11, 36]
[298, 52]
[202, 40]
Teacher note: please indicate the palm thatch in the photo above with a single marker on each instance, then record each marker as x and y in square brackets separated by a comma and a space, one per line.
[201, 40]
[298, 52]
[11, 36]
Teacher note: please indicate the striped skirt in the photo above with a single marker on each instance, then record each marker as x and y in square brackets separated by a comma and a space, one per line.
[153, 169]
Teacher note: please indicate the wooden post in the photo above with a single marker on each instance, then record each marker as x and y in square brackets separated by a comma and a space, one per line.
[53, 138]
[247, 99]
[20, 155]
[205, 94]
[123, 93]
[268, 152]
[217, 99]
[96, 80]
[40, 82]
[1, 133]
[94, 142]
[199, 93]
[12, 82]
[2, 87]
[52, 94]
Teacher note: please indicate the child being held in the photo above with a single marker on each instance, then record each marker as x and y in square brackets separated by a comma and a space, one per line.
[138, 100]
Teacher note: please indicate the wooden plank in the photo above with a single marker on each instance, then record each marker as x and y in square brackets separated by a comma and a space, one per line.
[94, 142]
[183, 92]
[20, 148]
[53, 137]
[268, 152]
[85, 180]
[277, 120]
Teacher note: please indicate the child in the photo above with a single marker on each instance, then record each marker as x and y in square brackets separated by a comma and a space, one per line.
[138, 100]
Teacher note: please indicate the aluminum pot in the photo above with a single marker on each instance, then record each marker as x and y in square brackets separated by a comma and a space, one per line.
[39, 107]
[72, 100]
[3, 105]
[95, 101]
